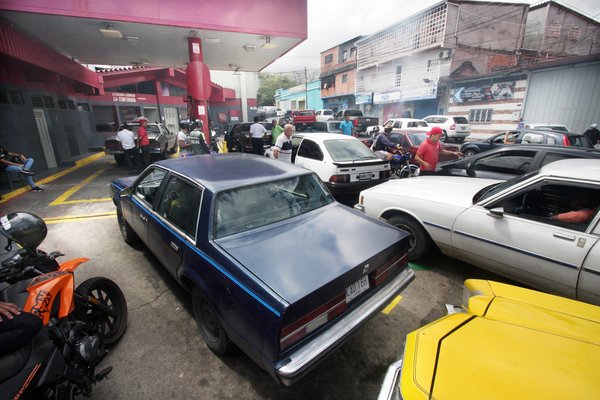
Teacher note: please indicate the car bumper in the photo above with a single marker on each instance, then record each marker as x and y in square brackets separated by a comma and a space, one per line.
[454, 134]
[390, 382]
[304, 359]
[353, 187]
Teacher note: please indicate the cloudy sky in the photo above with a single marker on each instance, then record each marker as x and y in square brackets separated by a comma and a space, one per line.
[331, 22]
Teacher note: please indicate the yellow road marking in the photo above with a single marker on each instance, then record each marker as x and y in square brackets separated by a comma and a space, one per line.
[74, 218]
[62, 199]
[78, 164]
[390, 307]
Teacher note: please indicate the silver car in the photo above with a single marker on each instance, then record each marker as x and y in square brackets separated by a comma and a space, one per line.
[541, 229]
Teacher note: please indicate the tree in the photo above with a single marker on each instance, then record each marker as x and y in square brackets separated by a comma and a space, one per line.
[269, 83]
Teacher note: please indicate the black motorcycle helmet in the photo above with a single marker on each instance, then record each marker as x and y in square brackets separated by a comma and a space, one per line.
[28, 230]
[185, 124]
[197, 124]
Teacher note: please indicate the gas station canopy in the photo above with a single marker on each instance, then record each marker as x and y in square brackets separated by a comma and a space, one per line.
[238, 35]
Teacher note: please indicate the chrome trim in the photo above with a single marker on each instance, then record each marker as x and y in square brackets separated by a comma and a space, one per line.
[318, 348]
[390, 381]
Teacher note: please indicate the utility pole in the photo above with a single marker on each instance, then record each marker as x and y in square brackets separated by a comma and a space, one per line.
[306, 89]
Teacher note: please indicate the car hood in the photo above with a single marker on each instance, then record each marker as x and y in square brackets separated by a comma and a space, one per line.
[508, 352]
[305, 253]
[448, 190]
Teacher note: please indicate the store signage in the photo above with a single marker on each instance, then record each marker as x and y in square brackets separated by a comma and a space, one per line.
[390, 97]
[364, 98]
[124, 97]
[495, 92]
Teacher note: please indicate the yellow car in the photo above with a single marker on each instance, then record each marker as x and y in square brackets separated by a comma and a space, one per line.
[508, 343]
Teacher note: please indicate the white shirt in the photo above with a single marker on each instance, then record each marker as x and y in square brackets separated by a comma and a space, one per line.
[127, 139]
[257, 130]
[284, 147]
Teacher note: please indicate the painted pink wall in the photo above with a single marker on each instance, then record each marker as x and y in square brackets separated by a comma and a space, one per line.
[272, 17]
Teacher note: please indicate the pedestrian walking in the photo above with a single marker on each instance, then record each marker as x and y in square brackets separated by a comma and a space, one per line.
[132, 153]
[144, 141]
[521, 124]
[346, 126]
[257, 131]
[182, 136]
[283, 148]
[593, 134]
[428, 152]
[10, 161]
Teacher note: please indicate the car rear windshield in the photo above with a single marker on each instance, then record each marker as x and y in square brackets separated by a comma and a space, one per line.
[353, 113]
[348, 150]
[461, 120]
[305, 113]
[580, 141]
[245, 208]
[416, 124]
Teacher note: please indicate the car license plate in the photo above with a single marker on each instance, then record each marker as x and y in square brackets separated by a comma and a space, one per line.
[357, 288]
[365, 176]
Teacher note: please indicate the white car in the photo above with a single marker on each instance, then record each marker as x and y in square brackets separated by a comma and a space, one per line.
[453, 128]
[324, 115]
[554, 127]
[403, 123]
[507, 227]
[342, 162]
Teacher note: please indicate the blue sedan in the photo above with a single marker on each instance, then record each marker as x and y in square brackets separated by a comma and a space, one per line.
[274, 264]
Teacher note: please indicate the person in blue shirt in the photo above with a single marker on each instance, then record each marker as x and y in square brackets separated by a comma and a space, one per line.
[346, 126]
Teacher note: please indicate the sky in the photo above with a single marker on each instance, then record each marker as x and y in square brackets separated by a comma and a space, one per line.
[332, 22]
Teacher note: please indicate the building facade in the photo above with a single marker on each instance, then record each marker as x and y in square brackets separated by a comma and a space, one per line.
[301, 97]
[338, 76]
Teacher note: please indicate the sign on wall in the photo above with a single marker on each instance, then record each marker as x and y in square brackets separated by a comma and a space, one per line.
[495, 92]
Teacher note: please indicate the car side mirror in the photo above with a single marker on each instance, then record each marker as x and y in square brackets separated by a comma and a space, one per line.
[496, 212]
[126, 192]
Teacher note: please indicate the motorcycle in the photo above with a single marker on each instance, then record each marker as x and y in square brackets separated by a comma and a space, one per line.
[78, 324]
[400, 164]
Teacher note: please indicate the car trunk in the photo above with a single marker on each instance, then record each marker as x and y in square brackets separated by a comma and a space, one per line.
[310, 265]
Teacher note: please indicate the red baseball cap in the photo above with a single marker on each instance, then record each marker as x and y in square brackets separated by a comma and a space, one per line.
[436, 130]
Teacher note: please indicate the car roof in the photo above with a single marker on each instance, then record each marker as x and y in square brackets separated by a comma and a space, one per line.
[405, 119]
[218, 172]
[580, 168]
[320, 137]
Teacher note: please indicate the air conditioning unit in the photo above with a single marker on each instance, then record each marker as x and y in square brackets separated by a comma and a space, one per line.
[445, 54]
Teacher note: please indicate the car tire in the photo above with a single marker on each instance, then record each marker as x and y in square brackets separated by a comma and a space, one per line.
[460, 140]
[469, 153]
[129, 236]
[420, 244]
[210, 325]
[445, 137]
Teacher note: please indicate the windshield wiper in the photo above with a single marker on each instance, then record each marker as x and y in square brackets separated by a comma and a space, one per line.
[301, 195]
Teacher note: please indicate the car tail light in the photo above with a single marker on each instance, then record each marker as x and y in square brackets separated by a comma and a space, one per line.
[385, 174]
[452, 127]
[339, 178]
[298, 329]
[566, 141]
[355, 121]
[379, 275]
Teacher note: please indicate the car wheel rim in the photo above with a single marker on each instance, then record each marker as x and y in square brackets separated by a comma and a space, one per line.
[210, 322]
[411, 240]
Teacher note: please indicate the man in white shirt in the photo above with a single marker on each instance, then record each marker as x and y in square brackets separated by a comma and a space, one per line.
[182, 136]
[283, 147]
[127, 139]
[257, 132]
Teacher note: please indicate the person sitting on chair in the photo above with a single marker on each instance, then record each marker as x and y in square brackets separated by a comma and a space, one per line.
[19, 163]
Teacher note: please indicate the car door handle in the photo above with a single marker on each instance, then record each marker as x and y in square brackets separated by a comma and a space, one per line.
[174, 246]
[570, 238]
[143, 218]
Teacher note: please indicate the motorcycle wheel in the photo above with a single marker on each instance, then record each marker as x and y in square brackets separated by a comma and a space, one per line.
[408, 172]
[109, 294]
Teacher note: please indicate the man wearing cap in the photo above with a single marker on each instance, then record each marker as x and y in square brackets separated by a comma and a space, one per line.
[429, 151]
[144, 142]
[593, 134]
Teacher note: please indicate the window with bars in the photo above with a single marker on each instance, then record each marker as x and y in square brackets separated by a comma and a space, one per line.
[398, 77]
[344, 55]
[83, 107]
[328, 58]
[480, 115]
[554, 30]
[345, 78]
[574, 33]
[12, 97]
[421, 31]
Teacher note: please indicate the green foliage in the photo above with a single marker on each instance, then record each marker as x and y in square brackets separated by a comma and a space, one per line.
[269, 83]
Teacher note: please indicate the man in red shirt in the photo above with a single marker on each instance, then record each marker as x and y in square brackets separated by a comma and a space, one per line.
[429, 151]
[144, 142]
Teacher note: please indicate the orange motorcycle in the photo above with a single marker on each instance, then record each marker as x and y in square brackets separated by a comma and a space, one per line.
[78, 323]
